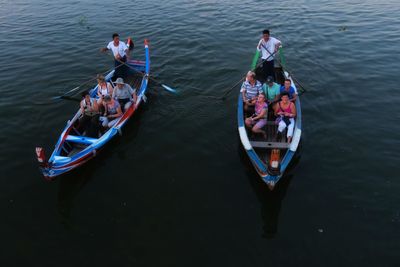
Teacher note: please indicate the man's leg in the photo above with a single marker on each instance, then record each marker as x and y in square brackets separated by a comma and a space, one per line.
[270, 69]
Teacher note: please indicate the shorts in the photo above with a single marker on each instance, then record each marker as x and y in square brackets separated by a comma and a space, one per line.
[259, 123]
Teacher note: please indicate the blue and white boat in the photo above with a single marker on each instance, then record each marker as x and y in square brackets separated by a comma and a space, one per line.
[73, 148]
[270, 157]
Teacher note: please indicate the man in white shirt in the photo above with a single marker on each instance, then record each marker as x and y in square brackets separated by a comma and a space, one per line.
[119, 50]
[268, 46]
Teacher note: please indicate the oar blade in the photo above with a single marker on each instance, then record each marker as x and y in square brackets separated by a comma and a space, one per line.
[169, 89]
[255, 59]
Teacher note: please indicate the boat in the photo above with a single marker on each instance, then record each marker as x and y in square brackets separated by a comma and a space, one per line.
[271, 156]
[73, 148]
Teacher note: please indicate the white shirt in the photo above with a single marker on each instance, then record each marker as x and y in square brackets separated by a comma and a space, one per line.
[270, 45]
[120, 49]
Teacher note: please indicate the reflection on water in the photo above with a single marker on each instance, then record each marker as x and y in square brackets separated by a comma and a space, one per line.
[69, 187]
[271, 201]
[71, 184]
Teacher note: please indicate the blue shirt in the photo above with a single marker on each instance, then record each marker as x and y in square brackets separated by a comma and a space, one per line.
[291, 91]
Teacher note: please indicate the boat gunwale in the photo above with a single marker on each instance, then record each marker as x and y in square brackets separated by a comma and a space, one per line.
[55, 168]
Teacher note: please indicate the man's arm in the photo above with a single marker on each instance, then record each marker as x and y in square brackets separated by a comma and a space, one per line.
[105, 49]
[259, 45]
[278, 43]
[294, 97]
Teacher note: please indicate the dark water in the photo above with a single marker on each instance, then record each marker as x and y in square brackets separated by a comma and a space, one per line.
[176, 189]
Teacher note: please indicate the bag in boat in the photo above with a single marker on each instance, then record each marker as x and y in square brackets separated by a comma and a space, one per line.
[286, 120]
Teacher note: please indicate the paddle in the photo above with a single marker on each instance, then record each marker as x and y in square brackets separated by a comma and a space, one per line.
[70, 98]
[283, 64]
[65, 95]
[255, 58]
[166, 87]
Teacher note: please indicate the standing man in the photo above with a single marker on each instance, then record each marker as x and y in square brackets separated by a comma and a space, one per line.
[119, 50]
[268, 46]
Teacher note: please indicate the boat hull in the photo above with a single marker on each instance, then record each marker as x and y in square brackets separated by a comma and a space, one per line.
[260, 165]
[59, 164]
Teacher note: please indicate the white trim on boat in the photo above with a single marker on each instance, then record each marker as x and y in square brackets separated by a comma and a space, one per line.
[295, 140]
[244, 138]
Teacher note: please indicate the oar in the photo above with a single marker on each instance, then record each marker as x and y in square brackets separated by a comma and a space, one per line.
[63, 96]
[297, 82]
[253, 63]
[166, 87]
[283, 64]
[70, 98]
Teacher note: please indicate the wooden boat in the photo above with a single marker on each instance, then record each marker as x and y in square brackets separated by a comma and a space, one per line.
[270, 157]
[73, 148]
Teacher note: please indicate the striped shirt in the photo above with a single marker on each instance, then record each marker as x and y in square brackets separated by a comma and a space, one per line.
[251, 91]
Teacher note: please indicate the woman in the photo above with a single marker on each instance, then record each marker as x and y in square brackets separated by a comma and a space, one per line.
[112, 112]
[258, 120]
[89, 121]
[286, 110]
[103, 88]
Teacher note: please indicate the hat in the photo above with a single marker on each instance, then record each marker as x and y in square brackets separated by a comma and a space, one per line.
[107, 98]
[270, 79]
[119, 81]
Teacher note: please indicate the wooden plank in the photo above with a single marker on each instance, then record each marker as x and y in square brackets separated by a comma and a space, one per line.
[267, 145]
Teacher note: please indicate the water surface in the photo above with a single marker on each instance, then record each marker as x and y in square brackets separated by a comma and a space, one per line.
[176, 189]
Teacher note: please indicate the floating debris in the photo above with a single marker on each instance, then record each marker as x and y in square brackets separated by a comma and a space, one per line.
[82, 20]
[342, 28]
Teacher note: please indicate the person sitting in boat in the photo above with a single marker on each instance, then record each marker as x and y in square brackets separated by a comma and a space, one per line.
[103, 88]
[250, 90]
[89, 122]
[271, 90]
[286, 112]
[112, 112]
[288, 88]
[124, 94]
[259, 119]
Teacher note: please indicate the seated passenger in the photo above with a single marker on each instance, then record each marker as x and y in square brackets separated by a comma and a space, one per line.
[251, 88]
[103, 88]
[259, 119]
[286, 112]
[89, 122]
[112, 112]
[288, 88]
[271, 90]
[124, 94]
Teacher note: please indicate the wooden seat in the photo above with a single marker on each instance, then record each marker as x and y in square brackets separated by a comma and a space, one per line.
[268, 145]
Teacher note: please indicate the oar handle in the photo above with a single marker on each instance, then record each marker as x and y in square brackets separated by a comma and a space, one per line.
[259, 64]
[150, 77]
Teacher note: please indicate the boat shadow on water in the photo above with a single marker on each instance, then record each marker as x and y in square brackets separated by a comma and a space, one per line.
[271, 201]
[72, 183]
